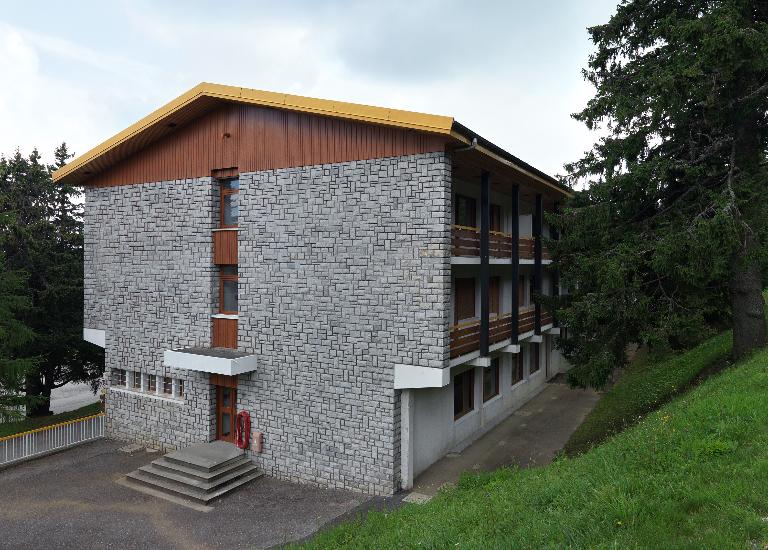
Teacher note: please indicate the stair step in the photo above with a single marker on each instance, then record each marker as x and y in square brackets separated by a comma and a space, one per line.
[203, 485]
[206, 457]
[177, 468]
[203, 469]
[186, 491]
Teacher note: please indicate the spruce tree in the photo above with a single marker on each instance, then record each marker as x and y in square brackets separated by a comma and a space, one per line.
[667, 235]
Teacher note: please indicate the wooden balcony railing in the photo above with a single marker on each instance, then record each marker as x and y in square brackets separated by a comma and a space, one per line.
[526, 319]
[546, 317]
[466, 242]
[465, 337]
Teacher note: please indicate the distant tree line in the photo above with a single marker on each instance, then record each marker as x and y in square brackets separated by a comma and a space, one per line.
[41, 286]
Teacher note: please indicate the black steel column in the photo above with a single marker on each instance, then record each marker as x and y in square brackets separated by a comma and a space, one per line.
[515, 261]
[538, 216]
[485, 272]
[555, 234]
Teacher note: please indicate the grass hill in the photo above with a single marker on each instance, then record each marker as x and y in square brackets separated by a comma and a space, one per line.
[693, 474]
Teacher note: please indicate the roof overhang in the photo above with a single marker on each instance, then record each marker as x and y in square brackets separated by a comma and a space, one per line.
[206, 96]
[210, 360]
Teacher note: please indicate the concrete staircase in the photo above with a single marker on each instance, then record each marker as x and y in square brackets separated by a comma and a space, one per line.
[200, 473]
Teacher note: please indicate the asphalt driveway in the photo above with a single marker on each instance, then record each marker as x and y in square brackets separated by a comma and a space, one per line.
[71, 500]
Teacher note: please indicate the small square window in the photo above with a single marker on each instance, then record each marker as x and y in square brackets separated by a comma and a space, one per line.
[118, 377]
[168, 385]
[152, 383]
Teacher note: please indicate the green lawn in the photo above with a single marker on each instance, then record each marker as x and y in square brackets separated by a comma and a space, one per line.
[693, 474]
[33, 423]
[643, 387]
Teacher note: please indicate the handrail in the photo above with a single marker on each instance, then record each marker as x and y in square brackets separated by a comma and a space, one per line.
[52, 426]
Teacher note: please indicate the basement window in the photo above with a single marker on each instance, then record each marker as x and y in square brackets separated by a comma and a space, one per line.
[152, 383]
[136, 380]
[535, 359]
[518, 368]
[168, 385]
[463, 393]
[491, 380]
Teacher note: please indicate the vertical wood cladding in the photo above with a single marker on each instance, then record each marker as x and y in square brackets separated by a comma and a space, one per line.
[224, 333]
[252, 138]
[225, 247]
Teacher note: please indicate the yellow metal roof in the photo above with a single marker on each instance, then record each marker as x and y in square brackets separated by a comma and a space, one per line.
[206, 96]
[196, 100]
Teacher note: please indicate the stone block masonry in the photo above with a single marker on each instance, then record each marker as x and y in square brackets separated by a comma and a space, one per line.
[149, 284]
[344, 272]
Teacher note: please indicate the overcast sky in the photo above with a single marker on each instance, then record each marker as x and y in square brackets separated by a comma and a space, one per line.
[510, 70]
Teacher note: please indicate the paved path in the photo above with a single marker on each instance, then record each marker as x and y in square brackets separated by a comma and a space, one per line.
[531, 436]
[71, 500]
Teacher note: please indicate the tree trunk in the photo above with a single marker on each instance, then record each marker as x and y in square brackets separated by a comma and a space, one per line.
[36, 388]
[747, 304]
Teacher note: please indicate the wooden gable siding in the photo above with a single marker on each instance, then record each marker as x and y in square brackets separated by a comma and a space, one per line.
[255, 138]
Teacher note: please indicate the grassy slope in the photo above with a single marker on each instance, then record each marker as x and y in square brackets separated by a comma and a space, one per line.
[693, 474]
[33, 423]
[643, 387]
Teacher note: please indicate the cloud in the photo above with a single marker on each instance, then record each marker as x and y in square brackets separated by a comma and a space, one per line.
[509, 70]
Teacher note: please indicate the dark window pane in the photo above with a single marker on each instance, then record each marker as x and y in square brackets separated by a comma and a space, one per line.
[534, 358]
[233, 184]
[229, 209]
[491, 380]
[230, 296]
[517, 368]
[225, 423]
[181, 388]
[225, 394]
[229, 270]
[167, 385]
[466, 211]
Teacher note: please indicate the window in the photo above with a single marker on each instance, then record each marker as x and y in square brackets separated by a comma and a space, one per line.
[168, 385]
[517, 368]
[228, 289]
[466, 211]
[465, 299]
[181, 388]
[534, 358]
[118, 377]
[136, 380]
[491, 380]
[495, 220]
[229, 194]
[521, 292]
[463, 393]
[494, 294]
[152, 383]
[531, 289]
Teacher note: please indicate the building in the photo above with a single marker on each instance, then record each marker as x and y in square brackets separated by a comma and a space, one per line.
[361, 280]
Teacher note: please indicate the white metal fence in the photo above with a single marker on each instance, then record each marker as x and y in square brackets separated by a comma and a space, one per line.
[26, 445]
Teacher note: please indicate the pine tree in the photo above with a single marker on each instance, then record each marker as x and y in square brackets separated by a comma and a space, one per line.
[668, 235]
[45, 241]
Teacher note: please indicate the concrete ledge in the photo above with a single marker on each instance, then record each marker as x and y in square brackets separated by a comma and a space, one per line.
[227, 363]
[95, 336]
[413, 376]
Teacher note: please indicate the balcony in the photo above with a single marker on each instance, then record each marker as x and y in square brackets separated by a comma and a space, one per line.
[546, 317]
[466, 242]
[465, 336]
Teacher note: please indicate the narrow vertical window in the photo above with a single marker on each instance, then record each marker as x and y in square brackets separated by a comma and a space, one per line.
[494, 294]
[228, 289]
[464, 288]
[181, 388]
[535, 359]
[229, 194]
[495, 219]
[517, 368]
[491, 380]
[152, 383]
[136, 380]
[463, 393]
[119, 377]
[168, 385]
[465, 213]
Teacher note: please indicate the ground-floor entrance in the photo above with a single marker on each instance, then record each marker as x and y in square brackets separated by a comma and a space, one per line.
[226, 406]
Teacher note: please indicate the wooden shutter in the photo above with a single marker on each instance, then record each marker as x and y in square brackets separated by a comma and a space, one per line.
[465, 299]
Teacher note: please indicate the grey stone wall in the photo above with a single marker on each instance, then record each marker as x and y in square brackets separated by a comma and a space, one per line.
[149, 285]
[344, 272]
